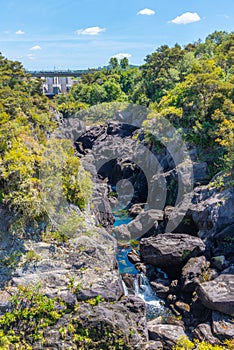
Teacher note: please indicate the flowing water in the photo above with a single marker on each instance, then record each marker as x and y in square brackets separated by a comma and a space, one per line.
[142, 289]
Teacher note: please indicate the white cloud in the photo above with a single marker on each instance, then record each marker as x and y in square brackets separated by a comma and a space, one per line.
[35, 48]
[146, 12]
[187, 17]
[19, 32]
[31, 56]
[90, 31]
[119, 56]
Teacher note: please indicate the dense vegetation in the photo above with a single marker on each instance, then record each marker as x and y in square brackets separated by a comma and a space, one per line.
[26, 121]
[192, 86]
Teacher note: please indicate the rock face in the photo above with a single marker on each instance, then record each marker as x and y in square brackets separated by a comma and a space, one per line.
[143, 224]
[212, 210]
[196, 269]
[224, 243]
[102, 326]
[167, 334]
[79, 261]
[223, 325]
[203, 332]
[218, 294]
[170, 249]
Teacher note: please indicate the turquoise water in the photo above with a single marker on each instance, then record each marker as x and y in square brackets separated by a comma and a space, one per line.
[125, 266]
[154, 305]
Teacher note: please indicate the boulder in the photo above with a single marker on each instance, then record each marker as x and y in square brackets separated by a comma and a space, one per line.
[203, 332]
[144, 223]
[224, 243]
[71, 128]
[182, 307]
[218, 294]
[167, 334]
[223, 325]
[212, 210]
[170, 249]
[195, 270]
[134, 257]
[161, 287]
[106, 324]
[219, 262]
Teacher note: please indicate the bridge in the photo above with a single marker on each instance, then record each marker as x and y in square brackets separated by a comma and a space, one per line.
[60, 73]
[58, 81]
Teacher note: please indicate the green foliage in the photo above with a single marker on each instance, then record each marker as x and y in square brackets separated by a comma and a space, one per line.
[185, 344]
[197, 95]
[26, 119]
[31, 256]
[32, 313]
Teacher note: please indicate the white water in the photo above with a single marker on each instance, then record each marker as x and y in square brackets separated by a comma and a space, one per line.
[124, 288]
[143, 290]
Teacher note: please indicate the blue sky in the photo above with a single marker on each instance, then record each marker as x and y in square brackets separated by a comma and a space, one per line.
[77, 34]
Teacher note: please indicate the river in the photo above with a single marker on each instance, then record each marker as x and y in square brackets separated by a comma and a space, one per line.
[155, 306]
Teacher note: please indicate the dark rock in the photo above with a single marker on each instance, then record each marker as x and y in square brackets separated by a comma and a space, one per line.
[120, 129]
[110, 290]
[200, 313]
[107, 324]
[69, 298]
[175, 321]
[219, 262]
[161, 287]
[134, 257]
[224, 243]
[167, 334]
[144, 223]
[212, 210]
[223, 325]
[218, 294]
[88, 138]
[170, 249]
[201, 173]
[71, 128]
[129, 281]
[203, 332]
[195, 270]
[171, 298]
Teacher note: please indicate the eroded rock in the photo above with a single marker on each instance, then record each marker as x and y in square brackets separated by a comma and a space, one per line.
[218, 294]
[170, 249]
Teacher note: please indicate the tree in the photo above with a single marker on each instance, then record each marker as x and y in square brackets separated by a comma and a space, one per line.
[114, 64]
[124, 63]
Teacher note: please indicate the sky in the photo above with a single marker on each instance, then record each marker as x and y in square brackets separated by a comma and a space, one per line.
[80, 34]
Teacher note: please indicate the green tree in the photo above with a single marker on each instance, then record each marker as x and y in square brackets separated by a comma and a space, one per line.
[124, 63]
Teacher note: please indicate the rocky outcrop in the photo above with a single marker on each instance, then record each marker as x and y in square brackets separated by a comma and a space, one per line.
[167, 334]
[224, 243]
[212, 210]
[86, 260]
[196, 270]
[223, 325]
[203, 332]
[145, 223]
[218, 294]
[170, 249]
